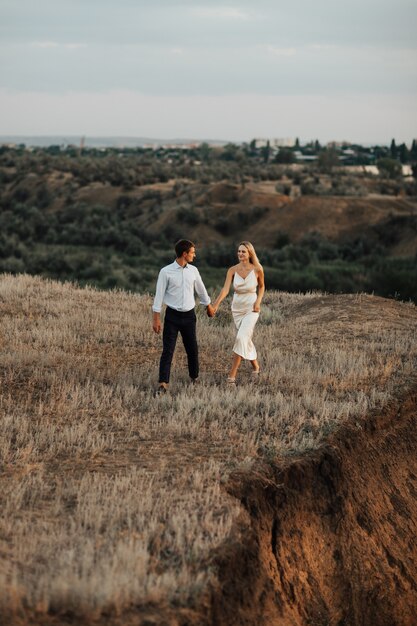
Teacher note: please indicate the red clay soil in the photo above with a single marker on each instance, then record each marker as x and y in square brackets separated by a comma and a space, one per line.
[332, 537]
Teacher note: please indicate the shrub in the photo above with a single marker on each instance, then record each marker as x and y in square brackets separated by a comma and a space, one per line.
[188, 216]
[389, 168]
[281, 240]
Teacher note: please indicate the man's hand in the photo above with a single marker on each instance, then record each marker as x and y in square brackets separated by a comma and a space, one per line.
[210, 310]
[156, 323]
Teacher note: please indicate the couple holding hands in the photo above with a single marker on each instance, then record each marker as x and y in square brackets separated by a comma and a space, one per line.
[175, 288]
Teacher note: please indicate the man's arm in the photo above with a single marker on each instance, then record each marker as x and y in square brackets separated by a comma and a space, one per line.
[201, 290]
[158, 301]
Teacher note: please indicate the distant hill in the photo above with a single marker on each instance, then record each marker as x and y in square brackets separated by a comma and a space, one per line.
[262, 214]
[111, 219]
[224, 212]
[44, 141]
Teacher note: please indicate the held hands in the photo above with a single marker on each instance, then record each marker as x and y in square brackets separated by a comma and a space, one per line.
[211, 311]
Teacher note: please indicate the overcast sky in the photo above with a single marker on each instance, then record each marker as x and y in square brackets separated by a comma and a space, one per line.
[326, 69]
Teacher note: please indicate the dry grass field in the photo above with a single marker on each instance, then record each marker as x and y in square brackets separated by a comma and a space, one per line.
[112, 499]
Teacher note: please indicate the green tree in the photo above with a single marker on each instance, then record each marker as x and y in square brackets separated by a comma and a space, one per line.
[285, 155]
[389, 168]
[266, 152]
[205, 152]
[393, 149]
[403, 153]
[328, 158]
[229, 152]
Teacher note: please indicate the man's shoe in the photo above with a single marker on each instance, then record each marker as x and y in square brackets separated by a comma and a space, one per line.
[194, 381]
[162, 389]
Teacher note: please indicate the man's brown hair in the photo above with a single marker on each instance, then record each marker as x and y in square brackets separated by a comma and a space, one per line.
[183, 245]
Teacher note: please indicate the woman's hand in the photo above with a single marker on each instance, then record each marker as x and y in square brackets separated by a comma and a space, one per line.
[256, 307]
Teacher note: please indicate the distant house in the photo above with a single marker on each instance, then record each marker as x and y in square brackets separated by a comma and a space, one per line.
[282, 142]
[304, 158]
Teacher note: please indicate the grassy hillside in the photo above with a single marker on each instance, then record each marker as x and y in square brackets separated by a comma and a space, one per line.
[113, 500]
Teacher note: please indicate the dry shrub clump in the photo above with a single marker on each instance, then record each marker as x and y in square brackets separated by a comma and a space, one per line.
[111, 497]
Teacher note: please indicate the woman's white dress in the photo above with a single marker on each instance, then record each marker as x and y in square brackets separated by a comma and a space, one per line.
[243, 315]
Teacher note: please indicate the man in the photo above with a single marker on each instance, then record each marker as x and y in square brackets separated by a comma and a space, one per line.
[175, 288]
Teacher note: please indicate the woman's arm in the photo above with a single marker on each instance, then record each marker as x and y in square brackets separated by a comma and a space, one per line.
[225, 289]
[261, 290]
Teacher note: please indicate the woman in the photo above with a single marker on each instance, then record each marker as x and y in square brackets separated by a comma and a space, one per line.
[249, 287]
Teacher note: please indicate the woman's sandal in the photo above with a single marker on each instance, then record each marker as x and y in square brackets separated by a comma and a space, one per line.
[255, 373]
[231, 381]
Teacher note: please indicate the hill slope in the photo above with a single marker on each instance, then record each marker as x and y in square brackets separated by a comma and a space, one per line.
[224, 211]
[290, 500]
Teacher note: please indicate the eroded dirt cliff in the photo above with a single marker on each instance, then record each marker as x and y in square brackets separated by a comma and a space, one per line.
[332, 538]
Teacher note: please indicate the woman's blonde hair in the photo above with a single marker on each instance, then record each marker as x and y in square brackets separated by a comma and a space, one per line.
[253, 257]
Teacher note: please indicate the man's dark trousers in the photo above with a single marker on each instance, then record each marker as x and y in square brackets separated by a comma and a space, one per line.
[185, 323]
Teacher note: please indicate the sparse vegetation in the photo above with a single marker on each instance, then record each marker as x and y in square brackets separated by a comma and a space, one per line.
[110, 497]
[109, 218]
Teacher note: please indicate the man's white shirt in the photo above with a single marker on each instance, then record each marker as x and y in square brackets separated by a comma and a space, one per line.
[175, 288]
